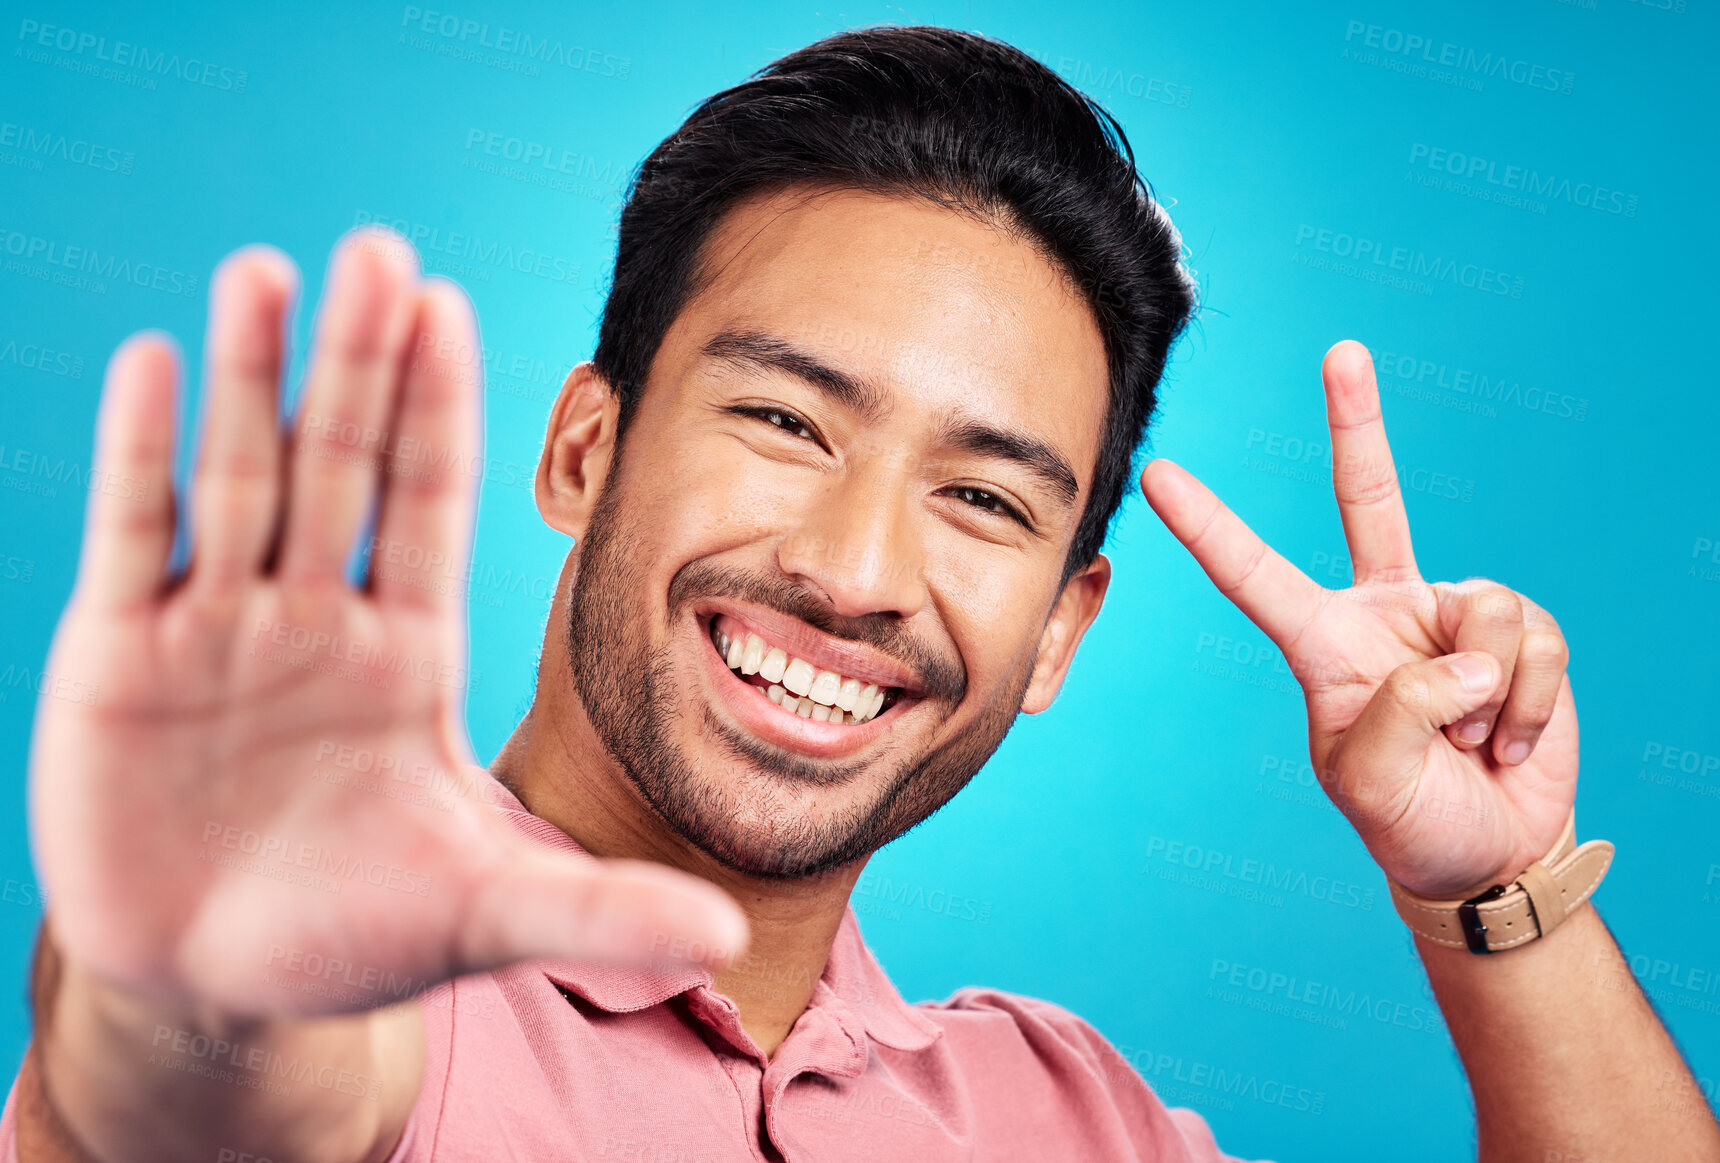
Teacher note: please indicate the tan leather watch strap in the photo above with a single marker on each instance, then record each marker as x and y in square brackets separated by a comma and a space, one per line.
[1506, 916]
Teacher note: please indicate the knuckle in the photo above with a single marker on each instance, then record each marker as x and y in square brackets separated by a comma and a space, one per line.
[1407, 687]
[1497, 603]
[1544, 649]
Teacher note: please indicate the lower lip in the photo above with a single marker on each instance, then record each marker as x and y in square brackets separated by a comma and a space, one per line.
[774, 725]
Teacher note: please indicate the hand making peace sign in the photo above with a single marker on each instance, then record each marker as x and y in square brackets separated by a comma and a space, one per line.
[1440, 717]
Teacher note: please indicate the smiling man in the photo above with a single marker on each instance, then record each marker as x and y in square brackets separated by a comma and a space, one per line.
[884, 334]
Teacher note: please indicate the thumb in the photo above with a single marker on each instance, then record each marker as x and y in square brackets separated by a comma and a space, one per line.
[1390, 737]
[545, 903]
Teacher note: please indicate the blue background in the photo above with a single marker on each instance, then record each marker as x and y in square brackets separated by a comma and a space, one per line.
[1581, 474]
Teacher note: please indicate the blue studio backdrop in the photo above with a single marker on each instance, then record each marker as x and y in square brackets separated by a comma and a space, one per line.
[1508, 203]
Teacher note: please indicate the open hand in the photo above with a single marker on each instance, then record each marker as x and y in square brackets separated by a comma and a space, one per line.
[197, 834]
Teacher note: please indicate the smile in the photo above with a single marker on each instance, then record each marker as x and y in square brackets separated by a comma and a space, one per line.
[796, 685]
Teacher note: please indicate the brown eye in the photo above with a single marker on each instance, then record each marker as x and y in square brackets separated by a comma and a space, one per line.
[787, 421]
[987, 502]
[979, 498]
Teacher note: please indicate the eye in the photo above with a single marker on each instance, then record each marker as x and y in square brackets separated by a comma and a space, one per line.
[780, 418]
[986, 501]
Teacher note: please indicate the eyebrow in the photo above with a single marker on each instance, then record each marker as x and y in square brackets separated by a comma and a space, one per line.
[758, 349]
[1038, 457]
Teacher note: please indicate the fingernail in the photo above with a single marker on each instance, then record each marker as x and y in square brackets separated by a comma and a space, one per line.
[1474, 671]
[1473, 732]
[1517, 752]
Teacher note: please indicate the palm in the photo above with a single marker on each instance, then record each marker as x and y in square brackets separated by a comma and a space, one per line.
[237, 816]
[1439, 813]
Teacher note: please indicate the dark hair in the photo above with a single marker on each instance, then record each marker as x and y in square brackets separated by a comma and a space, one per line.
[950, 116]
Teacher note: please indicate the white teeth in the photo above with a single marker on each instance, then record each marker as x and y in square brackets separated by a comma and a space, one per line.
[825, 686]
[797, 686]
[798, 676]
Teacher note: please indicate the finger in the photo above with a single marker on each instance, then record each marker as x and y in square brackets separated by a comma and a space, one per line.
[1364, 477]
[1275, 595]
[424, 530]
[128, 528]
[1383, 751]
[236, 489]
[1482, 615]
[1542, 658]
[545, 903]
[339, 438]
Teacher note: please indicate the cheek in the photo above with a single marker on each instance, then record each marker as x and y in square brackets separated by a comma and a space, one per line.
[703, 498]
[990, 603]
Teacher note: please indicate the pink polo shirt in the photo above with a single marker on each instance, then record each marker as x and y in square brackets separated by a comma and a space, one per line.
[559, 1061]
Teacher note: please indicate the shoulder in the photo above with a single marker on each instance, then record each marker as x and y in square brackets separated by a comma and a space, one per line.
[1013, 1040]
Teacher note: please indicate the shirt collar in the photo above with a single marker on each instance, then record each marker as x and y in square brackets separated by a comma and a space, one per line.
[853, 981]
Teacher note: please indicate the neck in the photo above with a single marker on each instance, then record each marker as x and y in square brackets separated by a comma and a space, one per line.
[561, 772]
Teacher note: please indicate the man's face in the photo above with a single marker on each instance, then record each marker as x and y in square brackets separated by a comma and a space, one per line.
[866, 442]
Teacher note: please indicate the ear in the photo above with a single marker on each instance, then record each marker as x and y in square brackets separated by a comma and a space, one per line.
[1075, 610]
[576, 450]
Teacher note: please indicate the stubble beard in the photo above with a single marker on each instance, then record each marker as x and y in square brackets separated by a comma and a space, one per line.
[631, 696]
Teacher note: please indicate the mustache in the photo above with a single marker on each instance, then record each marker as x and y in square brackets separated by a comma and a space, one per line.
[935, 675]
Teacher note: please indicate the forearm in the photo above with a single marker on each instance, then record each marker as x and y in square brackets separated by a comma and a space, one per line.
[1566, 1059]
[114, 1077]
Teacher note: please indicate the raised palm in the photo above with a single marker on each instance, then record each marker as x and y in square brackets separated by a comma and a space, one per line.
[237, 815]
[1445, 812]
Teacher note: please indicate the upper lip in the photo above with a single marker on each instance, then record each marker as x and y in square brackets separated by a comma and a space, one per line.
[843, 655]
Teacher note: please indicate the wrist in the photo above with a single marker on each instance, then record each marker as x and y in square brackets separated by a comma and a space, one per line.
[1507, 915]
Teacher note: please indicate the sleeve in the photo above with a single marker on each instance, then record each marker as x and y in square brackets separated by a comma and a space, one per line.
[418, 1137]
[1101, 1082]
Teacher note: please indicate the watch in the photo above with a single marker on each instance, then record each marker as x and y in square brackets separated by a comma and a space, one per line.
[1509, 915]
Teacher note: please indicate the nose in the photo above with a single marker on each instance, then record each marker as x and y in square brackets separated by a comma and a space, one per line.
[858, 545]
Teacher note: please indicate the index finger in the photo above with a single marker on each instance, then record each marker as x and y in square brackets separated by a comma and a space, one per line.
[1275, 595]
[1364, 478]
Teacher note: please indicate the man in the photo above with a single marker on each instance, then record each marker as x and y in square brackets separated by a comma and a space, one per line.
[884, 332]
